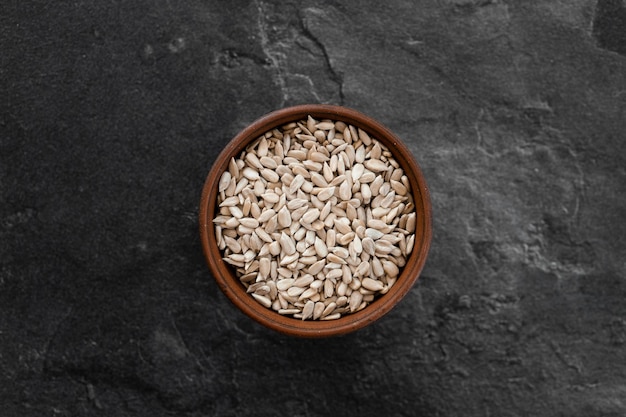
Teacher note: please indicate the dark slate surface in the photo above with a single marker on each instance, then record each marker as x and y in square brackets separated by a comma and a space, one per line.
[112, 114]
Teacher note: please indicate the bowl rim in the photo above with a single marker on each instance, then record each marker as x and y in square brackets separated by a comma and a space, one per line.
[234, 290]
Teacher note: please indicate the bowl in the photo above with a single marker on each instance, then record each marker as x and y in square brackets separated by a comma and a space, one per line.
[224, 274]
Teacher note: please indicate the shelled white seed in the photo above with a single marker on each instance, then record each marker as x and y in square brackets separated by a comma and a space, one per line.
[317, 218]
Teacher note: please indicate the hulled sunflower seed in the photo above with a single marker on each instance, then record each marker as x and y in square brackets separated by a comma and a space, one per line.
[371, 284]
[307, 311]
[317, 267]
[284, 217]
[224, 181]
[265, 301]
[326, 193]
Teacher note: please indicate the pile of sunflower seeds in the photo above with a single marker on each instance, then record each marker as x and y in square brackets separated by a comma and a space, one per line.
[316, 218]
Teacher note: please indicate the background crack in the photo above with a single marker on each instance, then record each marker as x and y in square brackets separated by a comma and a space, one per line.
[335, 76]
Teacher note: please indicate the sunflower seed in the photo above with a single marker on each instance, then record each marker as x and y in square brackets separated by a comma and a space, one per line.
[251, 173]
[342, 225]
[320, 248]
[304, 281]
[309, 293]
[326, 193]
[266, 215]
[233, 169]
[284, 284]
[327, 172]
[410, 223]
[224, 181]
[377, 224]
[362, 269]
[328, 308]
[329, 288]
[270, 175]
[295, 291]
[376, 165]
[268, 162]
[409, 244]
[355, 300]
[371, 284]
[287, 244]
[284, 217]
[265, 301]
[312, 165]
[296, 183]
[230, 201]
[318, 309]
[318, 157]
[390, 268]
[270, 197]
[263, 290]
[325, 125]
[317, 267]
[289, 259]
[311, 215]
[345, 192]
[307, 311]
[346, 238]
[374, 234]
[249, 222]
[232, 244]
[289, 311]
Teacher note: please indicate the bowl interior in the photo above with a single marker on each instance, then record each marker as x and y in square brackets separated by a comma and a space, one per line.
[225, 275]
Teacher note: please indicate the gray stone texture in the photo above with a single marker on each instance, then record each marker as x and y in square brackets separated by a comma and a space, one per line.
[112, 114]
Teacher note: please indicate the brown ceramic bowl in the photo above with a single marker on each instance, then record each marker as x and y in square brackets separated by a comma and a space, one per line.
[224, 274]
